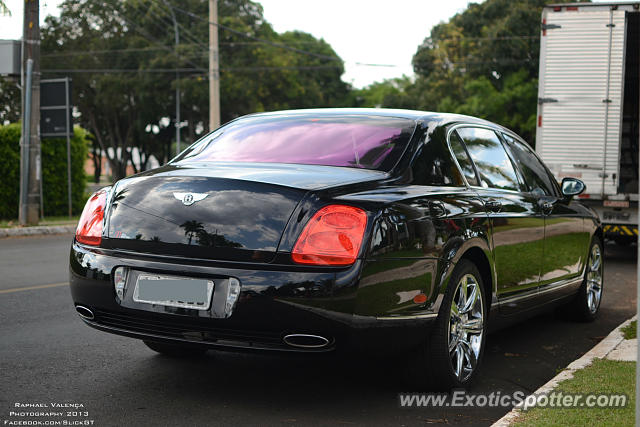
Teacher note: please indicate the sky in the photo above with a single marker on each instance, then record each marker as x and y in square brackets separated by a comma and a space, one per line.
[360, 31]
[365, 31]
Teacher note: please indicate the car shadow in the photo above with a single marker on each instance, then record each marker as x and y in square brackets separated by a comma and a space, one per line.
[284, 388]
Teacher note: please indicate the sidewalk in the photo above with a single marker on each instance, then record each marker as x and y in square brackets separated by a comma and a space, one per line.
[614, 347]
[63, 228]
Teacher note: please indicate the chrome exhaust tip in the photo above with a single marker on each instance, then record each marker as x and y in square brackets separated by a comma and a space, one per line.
[306, 341]
[85, 312]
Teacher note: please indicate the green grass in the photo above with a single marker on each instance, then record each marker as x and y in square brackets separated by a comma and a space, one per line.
[630, 331]
[602, 377]
[48, 220]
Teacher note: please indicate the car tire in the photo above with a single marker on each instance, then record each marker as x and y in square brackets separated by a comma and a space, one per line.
[176, 350]
[586, 303]
[461, 327]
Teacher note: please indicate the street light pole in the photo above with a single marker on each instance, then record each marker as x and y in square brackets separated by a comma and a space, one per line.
[214, 67]
[177, 42]
[30, 168]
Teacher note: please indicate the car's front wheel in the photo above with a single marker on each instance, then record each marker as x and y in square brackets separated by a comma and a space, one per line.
[586, 304]
[176, 350]
[453, 352]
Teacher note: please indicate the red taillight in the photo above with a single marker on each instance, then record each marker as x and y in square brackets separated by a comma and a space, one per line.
[332, 237]
[89, 229]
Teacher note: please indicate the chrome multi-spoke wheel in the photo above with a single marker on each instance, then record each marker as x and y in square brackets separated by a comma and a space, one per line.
[594, 279]
[585, 305]
[466, 327]
[451, 356]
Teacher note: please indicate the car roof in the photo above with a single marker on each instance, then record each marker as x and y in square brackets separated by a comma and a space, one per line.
[426, 116]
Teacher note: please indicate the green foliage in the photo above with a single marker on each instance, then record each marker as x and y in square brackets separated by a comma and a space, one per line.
[392, 93]
[122, 108]
[4, 10]
[513, 107]
[54, 172]
[9, 101]
[482, 62]
[9, 170]
[630, 331]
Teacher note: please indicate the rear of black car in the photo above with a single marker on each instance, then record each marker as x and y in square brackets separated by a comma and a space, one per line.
[239, 242]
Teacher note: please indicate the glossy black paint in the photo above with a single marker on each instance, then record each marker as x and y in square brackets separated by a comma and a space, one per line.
[419, 226]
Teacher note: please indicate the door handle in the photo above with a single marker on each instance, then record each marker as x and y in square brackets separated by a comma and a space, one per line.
[493, 205]
[547, 207]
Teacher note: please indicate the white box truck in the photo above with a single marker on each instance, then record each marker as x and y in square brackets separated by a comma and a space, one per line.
[589, 106]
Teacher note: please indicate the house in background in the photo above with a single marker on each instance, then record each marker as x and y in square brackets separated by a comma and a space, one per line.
[100, 169]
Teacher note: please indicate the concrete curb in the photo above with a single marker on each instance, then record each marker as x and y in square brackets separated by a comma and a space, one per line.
[37, 231]
[600, 351]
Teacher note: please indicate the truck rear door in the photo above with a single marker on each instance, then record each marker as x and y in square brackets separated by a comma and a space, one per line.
[579, 94]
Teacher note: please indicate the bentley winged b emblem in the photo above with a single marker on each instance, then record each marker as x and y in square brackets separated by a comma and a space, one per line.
[188, 199]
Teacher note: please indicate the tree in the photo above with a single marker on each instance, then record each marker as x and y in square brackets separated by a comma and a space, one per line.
[484, 62]
[9, 101]
[390, 93]
[4, 10]
[133, 105]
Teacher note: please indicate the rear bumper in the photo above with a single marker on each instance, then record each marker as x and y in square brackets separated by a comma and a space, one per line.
[275, 301]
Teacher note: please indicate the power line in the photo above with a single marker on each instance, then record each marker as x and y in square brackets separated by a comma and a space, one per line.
[185, 70]
[275, 44]
[145, 34]
[185, 33]
[464, 38]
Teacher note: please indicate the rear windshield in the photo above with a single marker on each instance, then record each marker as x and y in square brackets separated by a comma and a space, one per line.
[369, 142]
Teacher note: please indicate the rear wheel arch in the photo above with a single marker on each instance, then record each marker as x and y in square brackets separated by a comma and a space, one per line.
[479, 258]
[477, 251]
[599, 234]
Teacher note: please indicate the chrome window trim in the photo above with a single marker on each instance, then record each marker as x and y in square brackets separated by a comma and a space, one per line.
[554, 182]
[475, 187]
[544, 167]
[455, 159]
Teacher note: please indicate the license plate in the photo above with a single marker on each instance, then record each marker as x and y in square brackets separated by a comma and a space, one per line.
[616, 216]
[173, 291]
[616, 204]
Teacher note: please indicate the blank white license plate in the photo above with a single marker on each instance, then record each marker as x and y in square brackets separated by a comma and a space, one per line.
[173, 291]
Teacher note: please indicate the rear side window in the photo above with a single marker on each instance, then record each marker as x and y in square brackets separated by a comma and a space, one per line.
[534, 173]
[356, 141]
[434, 165]
[463, 159]
[490, 158]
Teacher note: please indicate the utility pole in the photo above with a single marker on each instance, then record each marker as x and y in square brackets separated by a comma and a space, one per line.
[177, 42]
[30, 168]
[214, 67]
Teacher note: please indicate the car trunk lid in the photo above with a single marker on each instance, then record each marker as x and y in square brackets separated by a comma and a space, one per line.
[214, 211]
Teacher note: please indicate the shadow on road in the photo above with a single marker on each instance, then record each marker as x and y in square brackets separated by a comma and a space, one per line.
[336, 389]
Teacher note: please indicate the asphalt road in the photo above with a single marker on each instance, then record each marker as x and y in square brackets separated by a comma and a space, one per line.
[48, 356]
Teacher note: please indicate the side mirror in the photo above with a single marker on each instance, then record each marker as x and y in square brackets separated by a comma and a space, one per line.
[572, 187]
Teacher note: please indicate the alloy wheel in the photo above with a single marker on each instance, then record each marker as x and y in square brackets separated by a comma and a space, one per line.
[466, 327]
[594, 279]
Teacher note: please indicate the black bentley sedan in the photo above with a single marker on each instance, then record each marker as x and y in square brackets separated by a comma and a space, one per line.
[321, 230]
